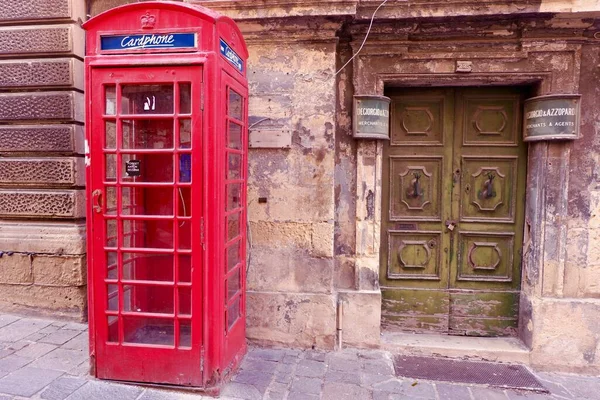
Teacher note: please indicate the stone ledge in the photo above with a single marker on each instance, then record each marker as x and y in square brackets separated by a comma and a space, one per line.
[44, 171]
[34, 10]
[42, 39]
[42, 204]
[56, 106]
[65, 72]
[501, 349]
[394, 9]
[411, 9]
[38, 237]
[278, 9]
[41, 138]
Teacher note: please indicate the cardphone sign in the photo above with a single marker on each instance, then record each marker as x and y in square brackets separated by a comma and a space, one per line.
[148, 41]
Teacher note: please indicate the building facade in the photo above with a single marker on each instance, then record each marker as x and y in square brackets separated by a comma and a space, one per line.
[453, 227]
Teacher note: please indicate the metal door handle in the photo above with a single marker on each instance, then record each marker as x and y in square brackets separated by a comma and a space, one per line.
[97, 200]
[416, 186]
[488, 191]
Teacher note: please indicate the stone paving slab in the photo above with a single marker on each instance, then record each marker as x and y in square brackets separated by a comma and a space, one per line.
[48, 360]
[62, 388]
[61, 359]
[21, 328]
[79, 342]
[35, 350]
[27, 381]
[6, 319]
[105, 391]
[60, 336]
[12, 363]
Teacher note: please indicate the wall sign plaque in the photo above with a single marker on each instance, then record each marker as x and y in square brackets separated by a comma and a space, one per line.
[552, 117]
[371, 117]
[132, 168]
[149, 41]
[231, 56]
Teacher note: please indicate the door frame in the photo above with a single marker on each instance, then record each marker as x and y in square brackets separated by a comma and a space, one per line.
[533, 74]
[451, 152]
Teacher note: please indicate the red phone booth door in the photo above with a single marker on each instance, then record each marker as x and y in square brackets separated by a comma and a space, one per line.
[146, 210]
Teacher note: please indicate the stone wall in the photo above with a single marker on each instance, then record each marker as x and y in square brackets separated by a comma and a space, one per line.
[564, 300]
[290, 280]
[535, 44]
[314, 195]
[301, 195]
[42, 174]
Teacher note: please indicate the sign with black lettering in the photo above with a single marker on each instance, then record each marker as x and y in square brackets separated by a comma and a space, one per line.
[553, 117]
[132, 168]
[371, 117]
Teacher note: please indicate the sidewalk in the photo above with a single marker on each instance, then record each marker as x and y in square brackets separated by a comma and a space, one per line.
[47, 359]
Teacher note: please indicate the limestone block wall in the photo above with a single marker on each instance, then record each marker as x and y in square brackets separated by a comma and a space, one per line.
[290, 280]
[42, 203]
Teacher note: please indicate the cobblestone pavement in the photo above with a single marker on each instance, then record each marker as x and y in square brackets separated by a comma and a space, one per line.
[47, 359]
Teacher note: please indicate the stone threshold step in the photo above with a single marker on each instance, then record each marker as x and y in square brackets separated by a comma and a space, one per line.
[500, 349]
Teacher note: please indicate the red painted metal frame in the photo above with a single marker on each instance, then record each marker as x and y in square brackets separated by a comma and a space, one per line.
[220, 347]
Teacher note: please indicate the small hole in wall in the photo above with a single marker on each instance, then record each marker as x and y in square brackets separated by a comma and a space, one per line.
[262, 200]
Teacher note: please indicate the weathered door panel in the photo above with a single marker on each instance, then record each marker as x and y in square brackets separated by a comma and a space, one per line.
[416, 310]
[453, 197]
[488, 202]
[416, 165]
[483, 313]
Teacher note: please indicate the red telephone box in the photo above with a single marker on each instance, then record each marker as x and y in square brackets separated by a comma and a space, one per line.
[166, 140]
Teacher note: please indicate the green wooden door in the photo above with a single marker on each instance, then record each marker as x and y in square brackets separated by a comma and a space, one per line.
[453, 202]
